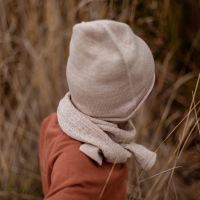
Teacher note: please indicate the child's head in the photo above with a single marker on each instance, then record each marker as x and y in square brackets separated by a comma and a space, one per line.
[110, 70]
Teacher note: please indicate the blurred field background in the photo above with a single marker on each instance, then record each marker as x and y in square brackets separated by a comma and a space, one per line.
[34, 39]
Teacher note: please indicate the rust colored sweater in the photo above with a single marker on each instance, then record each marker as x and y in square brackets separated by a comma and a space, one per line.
[68, 174]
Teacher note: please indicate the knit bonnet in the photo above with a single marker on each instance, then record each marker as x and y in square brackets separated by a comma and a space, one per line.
[110, 70]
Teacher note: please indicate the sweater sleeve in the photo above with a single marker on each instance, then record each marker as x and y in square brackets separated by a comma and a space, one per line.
[71, 179]
[64, 184]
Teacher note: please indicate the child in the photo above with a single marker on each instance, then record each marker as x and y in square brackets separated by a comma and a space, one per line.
[83, 148]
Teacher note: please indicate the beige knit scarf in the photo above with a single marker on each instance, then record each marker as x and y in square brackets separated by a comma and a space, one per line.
[102, 139]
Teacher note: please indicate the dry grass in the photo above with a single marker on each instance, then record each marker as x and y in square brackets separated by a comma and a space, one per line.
[34, 38]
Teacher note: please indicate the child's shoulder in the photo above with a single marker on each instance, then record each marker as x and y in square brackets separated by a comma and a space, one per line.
[53, 138]
[49, 127]
[55, 143]
[49, 121]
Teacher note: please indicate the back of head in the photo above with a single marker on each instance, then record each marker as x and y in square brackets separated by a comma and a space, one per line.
[110, 70]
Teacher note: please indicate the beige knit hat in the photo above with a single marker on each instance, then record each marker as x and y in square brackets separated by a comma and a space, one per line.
[110, 70]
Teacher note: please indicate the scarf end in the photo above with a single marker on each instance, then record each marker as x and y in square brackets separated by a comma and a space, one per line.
[144, 156]
[92, 151]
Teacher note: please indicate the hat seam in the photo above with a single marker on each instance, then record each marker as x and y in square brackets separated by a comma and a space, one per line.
[118, 49]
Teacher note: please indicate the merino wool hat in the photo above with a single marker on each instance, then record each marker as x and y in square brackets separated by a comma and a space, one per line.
[110, 70]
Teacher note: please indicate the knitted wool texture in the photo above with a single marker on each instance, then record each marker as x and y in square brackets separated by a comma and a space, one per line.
[110, 73]
[102, 139]
[110, 70]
